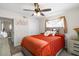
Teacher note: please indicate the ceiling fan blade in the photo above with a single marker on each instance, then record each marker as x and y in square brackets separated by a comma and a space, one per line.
[42, 14]
[27, 10]
[44, 10]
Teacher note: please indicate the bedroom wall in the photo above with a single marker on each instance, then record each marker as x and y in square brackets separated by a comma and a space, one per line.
[19, 32]
[33, 25]
[41, 24]
[0, 26]
[72, 18]
[22, 26]
[29, 24]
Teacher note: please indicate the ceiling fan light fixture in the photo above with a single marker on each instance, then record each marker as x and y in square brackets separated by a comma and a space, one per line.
[37, 10]
[37, 14]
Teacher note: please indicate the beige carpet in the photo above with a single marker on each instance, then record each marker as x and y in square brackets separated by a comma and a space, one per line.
[13, 50]
[5, 50]
[65, 53]
[4, 47]
[18, 54]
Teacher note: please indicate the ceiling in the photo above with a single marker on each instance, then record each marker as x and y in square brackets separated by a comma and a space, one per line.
[56, 7]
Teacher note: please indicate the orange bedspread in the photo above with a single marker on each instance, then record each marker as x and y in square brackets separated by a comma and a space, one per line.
[41, 45]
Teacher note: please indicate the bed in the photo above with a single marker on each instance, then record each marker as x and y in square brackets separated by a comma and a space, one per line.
[40, 45]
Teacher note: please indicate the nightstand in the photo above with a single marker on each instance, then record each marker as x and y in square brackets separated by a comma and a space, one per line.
[73, 46]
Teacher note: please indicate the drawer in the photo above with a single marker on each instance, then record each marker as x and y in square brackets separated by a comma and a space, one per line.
[75, 46]
[75, 52]
[75, 42]
[77, 49]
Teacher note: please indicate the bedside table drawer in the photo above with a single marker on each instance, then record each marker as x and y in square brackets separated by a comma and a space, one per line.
[75, 52]
[76, 44]
[76, 49]
[75, 41]
[73, 46]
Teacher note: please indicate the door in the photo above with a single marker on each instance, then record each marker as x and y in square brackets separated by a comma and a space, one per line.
[7, 24]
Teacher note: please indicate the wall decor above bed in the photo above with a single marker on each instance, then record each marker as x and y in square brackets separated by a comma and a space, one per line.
[58, 23]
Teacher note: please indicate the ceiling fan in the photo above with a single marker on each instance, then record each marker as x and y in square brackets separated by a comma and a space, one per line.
[37, 10]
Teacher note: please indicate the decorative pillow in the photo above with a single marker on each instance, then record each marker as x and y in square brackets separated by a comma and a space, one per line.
[47, 33]
[54, 32]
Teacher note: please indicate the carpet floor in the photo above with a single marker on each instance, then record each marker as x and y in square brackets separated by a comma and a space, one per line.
[4, 47]
[63, 53]
[13, 50]
[7, 49]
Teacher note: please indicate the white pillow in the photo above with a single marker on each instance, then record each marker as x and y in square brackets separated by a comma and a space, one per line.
[54, 32]
[47, 33]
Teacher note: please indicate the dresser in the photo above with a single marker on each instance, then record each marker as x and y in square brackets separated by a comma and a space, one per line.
[73, 46]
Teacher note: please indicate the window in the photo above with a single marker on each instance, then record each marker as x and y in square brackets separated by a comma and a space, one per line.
[55, 23]
[59, 22]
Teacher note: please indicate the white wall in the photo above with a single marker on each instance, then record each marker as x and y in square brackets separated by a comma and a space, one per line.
[0, 26]
[72, 18]
[22, 26]
[36, 25]
[33, 26]
[41, 24]
[19, 32]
